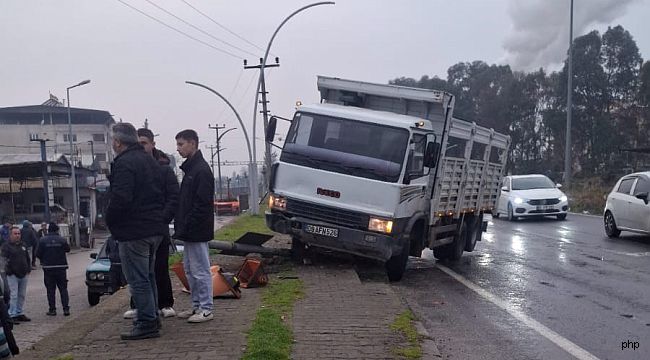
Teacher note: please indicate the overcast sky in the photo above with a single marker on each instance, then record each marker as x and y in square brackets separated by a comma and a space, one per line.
[138, 66]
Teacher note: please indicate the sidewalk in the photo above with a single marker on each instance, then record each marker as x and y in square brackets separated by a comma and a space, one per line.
[339, 318]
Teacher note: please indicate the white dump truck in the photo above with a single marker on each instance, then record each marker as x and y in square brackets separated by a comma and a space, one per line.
[383, 172]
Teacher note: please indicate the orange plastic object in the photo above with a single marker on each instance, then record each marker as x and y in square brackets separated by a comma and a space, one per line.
[251, 274]
[220, 285]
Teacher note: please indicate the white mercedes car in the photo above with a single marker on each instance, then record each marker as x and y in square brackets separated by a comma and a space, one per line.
[531, 196]
[627, 206]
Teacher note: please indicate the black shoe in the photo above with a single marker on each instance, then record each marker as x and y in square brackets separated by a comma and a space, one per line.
[15, 319]
[140, 333]
[22, 318]
[51, 312]
[66, 312]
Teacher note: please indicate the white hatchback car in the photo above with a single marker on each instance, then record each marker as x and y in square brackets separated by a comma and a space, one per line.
[531, 196]
[627, 206]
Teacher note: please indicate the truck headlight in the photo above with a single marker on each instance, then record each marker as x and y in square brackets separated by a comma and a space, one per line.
[380, 225]
[519, 200]
[277, 202]
[563, 198]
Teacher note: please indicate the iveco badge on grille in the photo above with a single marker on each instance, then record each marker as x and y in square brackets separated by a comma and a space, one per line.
[326, 192]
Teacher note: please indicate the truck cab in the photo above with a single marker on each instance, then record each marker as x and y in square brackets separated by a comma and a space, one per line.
[358, 172]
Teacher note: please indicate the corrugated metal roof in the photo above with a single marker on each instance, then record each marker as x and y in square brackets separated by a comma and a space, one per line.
[10, 159]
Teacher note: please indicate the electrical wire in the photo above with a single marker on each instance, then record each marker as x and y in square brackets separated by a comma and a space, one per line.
[198, 29]
[180, 31]
[223, 27]
[223, 109]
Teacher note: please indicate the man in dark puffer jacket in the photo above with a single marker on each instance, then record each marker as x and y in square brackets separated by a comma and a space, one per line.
[133, 217]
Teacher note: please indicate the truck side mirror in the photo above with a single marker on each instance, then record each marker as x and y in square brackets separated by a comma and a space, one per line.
[270, 129]
[431, 154]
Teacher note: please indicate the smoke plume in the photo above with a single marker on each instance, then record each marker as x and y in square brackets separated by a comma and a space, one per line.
[540, 30]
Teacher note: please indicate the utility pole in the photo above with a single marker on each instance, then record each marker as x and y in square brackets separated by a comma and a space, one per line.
[216, 129]
[92, 161]
[46, 192]
[265, 111]
[569, 106]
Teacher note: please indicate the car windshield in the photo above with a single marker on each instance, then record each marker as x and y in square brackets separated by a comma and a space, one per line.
[346, 146]
[533, 182]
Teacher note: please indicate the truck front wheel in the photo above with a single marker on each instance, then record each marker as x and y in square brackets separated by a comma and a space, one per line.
[297, 250]
[396, 265]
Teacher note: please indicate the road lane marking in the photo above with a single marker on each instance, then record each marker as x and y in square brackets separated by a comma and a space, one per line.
[551, 335]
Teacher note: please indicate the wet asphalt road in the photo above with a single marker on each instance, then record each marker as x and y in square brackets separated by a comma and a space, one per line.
[565, 275]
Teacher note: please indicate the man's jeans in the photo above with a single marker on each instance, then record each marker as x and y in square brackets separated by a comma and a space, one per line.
[138, 258]
[196, 263]
[18, 288]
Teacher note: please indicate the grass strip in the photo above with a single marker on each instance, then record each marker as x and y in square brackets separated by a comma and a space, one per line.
[270, 336]
[244, 223]
[405, 324]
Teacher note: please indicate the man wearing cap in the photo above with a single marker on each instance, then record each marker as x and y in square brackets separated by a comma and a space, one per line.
[51, 252]
[29, 239]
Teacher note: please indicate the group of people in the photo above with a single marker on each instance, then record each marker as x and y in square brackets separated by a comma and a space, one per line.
[19, 248]
[144, 198]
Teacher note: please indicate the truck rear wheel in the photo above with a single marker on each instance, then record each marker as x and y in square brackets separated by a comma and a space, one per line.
[454, 250]
[396, 265]
[473, 233]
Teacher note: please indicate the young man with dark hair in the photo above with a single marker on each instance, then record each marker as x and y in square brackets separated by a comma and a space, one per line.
[18, 265]
[194, 225]
[133, 217]
[170, 193]
[51, 252]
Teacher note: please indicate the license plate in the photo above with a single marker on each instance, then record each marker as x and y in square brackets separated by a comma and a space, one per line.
[322, 230]
[545, 207]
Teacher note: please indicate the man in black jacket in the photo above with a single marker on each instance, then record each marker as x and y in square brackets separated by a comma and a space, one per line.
[170, 193]
[18, 265]
[29, 238]
[194, 225]
[51, 252]
[133, 217]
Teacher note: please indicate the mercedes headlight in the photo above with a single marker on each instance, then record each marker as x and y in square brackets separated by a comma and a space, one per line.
[92, 276]
[380, 225]
[519, 200]
[563, 198]
[277, 202]
[100, 276]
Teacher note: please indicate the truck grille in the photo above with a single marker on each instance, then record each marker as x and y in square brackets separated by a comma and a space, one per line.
[328, 214]
[544, 201]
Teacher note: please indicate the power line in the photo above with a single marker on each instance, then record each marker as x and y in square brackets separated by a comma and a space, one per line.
[223, 109]
[198, 29]
[222, 26]
[180, 31]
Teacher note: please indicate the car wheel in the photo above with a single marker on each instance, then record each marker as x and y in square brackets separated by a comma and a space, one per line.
[610, 226]
[511, 216]
[93, 298]
[561, 217]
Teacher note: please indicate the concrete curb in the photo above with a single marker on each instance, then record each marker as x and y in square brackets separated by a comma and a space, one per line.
[68, 335]
[585, 215]
[429, 348]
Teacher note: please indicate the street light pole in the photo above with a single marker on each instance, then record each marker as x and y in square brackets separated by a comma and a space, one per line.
[569, 106]
[251, 164]
[261, 80]
[75, 204]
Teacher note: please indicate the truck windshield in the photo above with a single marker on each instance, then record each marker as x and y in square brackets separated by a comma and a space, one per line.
[346, 146]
